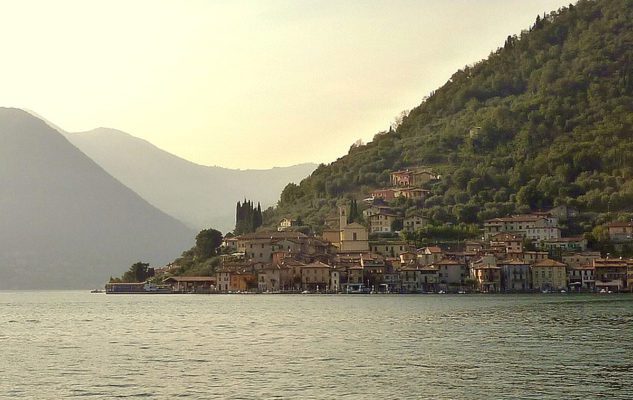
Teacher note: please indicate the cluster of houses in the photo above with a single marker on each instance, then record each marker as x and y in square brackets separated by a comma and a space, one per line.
[407, 184]
[345, 260]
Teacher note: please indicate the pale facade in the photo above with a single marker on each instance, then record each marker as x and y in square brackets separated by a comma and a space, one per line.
[549, 274]
[315, 276]
[382, 222]
[413, 223]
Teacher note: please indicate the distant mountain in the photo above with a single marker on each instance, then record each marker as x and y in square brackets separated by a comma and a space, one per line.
[545, 120]
[198, 195]
[64, 221]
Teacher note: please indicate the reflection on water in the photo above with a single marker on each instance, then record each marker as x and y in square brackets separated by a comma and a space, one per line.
[72, 344]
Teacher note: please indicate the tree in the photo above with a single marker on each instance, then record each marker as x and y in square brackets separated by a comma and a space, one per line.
[247, 217]
[396, 225]
[207, 243]
[354, 214]
[138, 272]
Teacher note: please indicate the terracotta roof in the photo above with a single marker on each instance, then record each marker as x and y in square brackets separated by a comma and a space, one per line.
[446, 261]
[272, 235]
[583, 267]
[620, 224]
[549, 263]
[317, 264]
[419, 268]
[505, 237]
[609, 262]
[354, 225]
[514, 261]
[565, 239]
[517, 218]
[190, 279]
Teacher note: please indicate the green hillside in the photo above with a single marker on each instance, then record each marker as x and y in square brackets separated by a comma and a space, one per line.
[543, 121]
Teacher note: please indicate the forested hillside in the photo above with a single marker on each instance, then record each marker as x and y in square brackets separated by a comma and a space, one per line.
[543, 121]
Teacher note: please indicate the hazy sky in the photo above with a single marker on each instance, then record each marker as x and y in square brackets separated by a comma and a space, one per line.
[243, 84]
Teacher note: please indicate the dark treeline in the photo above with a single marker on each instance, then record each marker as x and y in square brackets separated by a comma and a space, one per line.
[247, 217]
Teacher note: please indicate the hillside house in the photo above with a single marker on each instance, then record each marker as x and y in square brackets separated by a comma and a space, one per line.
[566, 244]
[620, 231]
[414, 222]
[382, 222]
[535, 227]
[511, 244]
[384, 194]
[287, 223]
[412, 177]
[411, 193]
[376, 209]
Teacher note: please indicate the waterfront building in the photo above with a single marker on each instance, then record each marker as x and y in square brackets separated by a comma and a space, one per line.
[611, 274]
[186, 284]
[515, 275]
[486, 274]
[451, 274]
[416, 278]
[355, 274]
[582, 277]
[274, 278]
[391, 281]
[335, 280]
[315, 276]
[549, 275]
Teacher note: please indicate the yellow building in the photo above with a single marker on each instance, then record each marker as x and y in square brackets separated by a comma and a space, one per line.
[549, 274]
[315, 276]
[349, 238]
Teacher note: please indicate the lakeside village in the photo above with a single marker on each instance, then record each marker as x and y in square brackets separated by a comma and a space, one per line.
[343, 259]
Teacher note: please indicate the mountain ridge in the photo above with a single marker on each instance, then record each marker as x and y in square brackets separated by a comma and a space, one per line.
[66, 223]
[201, 196]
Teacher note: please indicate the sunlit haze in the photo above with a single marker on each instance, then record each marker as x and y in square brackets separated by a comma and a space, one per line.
[243, 84]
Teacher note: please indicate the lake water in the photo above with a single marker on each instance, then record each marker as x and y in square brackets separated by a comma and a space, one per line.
[76, 344]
